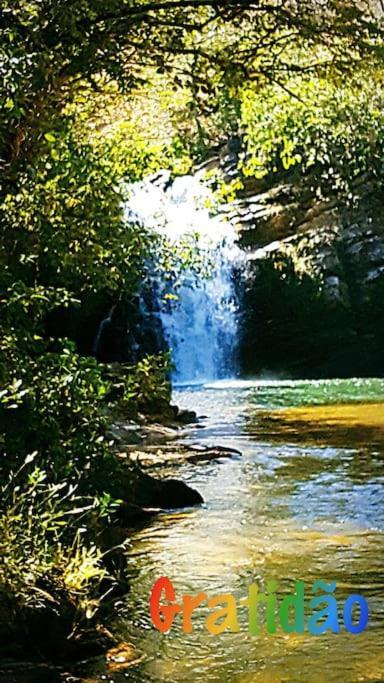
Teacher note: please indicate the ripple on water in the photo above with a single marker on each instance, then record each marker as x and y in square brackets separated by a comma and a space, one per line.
[304, 502]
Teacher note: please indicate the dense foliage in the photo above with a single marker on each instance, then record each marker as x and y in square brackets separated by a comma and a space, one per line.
[49, 47]
[329, 130]
[64, 239]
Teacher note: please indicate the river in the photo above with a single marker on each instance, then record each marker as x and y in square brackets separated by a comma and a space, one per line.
[303, 502]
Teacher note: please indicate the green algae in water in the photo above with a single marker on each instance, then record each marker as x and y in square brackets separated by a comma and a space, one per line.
[317, 392]
[287, 510]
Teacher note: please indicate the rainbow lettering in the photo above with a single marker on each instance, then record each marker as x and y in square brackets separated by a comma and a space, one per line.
[323, 613]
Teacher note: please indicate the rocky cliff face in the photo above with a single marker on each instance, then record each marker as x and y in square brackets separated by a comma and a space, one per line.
[313, 293]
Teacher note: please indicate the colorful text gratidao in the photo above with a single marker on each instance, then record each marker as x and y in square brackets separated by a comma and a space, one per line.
[317, 613]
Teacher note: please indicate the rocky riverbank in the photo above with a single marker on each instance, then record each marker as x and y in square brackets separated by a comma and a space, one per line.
[147, 448]
[152, 448]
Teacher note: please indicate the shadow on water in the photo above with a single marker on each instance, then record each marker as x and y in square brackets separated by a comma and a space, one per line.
[337, 425]
[305, 501]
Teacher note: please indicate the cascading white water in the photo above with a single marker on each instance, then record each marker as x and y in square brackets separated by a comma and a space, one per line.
[201, 326]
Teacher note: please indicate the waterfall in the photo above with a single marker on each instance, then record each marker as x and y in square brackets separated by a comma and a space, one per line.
[200, 327]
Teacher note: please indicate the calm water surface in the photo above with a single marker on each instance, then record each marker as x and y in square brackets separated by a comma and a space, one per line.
[292, 507]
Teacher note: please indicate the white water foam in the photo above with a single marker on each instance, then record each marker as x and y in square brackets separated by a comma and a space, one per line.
[201, 328]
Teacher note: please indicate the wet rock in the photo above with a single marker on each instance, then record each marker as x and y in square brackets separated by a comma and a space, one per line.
[173, 493]
[167, 494]
[186, 416]
[150, 456]
[129, 513]
[121, 657]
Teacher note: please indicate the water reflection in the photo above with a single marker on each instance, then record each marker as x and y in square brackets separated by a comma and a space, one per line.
[341, 425]
[291, 509]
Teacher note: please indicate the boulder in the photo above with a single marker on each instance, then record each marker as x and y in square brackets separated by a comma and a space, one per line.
[166, 494]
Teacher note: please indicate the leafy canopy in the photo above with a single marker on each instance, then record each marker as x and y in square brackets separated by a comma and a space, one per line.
[49, 46]
[331, 130]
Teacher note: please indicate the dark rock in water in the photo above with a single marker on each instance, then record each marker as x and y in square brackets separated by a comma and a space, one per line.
[174, 493]
[167, 494]
[186, 416]
[131, 513]
[180, 415]
[173, 410]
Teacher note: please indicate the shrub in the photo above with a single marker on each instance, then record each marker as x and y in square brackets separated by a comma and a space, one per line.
[332, 130]
[46, 566]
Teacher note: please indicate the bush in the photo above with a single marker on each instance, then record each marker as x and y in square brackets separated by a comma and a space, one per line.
[147, 386]
[46, 566]
[63, 239]
[315, 125]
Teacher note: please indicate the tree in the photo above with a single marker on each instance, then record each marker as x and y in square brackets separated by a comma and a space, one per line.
[48, 47]
[64, 239]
